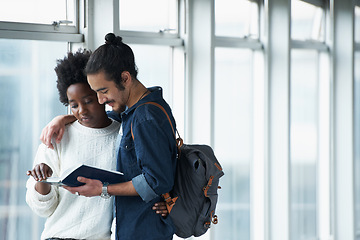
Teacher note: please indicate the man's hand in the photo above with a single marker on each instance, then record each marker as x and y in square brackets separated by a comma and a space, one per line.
[55, 128]
[40, 172]
[91, 188]
[160, 208]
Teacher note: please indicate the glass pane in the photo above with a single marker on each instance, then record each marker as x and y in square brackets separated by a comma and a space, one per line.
[28, 100]
[149, 16]
[307, 21]
[234, 18]
[303, 143]
[37, 11]
[357, 143]
[357, 24]
[154, 72]
[233, 67]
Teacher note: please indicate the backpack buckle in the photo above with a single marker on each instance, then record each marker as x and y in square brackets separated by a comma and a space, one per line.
[207, 225]
[170, 202]
[206, 188]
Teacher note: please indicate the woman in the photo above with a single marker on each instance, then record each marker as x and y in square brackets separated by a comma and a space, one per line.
[90, 140]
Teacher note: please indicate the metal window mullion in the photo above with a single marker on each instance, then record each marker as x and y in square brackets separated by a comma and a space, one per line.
[238, 43]
[277, 46]
[148, 34]
[59, 37]
[343, 119]
[319, 3]
[77, 16]
[323, 167]
[319, 46]
[154, 41]
[172, 40]
[34, 27]
[357, 46]
[258, 164]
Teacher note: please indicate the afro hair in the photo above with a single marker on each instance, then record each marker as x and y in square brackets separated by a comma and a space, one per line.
[70, 70]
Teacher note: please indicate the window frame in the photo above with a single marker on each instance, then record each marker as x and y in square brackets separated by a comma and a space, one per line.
[323, 194]
[257, 176]
[40, 32]
[356, 44]
[49, 32]
[153, 38]
[317, 3]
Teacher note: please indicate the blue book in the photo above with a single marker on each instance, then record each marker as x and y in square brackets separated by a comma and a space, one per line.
[69, 177]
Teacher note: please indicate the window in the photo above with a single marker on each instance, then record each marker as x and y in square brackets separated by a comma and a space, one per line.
[158, 48]
[37, 11]
[149, 16]
[304, 143]
[237, 18]
[28, 100]
[357, 121]
[238, 113]
[234, 202]
[307, 21]
[155, 73]
[309, 122]
[357, 24]
[357, 142]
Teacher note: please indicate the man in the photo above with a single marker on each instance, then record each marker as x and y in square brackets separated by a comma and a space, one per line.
[147, 151]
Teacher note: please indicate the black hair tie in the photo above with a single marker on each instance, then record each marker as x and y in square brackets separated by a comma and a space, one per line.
[110, 38]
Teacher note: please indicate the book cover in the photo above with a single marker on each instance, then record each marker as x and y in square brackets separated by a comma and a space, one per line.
[69, 177]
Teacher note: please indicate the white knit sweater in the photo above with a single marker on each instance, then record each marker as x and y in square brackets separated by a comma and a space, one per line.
[69, 215]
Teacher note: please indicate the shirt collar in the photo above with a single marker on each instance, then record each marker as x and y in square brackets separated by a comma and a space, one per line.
[154, 95]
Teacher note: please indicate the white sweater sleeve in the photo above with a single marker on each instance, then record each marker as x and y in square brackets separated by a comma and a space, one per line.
[44, 205]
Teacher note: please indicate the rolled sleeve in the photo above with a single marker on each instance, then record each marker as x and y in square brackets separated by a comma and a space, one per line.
[143, 188]
[42, 205]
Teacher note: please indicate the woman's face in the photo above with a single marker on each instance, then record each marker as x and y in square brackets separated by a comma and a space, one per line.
[85, 106]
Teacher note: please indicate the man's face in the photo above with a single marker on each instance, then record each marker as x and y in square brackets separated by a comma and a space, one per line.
[107, 92]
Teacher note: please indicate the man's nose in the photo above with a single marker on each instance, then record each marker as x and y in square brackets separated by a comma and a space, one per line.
[101, 98]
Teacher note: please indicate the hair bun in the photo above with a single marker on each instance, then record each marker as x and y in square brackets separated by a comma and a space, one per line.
[110, 38]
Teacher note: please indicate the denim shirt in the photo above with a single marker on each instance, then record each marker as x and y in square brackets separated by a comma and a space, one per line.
[149, 161]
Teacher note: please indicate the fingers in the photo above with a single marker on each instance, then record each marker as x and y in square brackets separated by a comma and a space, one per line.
[60, 135]
[45, 137]
[40, 172]
[33, 174]
[49, 172]
[73, 190]
[91, 188]
[42, 135]
[159, 205]
[83, 179]
[160, 208]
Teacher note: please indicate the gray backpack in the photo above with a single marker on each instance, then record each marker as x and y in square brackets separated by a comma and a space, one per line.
[194, 195]
[192, 201]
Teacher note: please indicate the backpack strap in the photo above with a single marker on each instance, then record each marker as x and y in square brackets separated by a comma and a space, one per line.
[170, 202]
[179, 141]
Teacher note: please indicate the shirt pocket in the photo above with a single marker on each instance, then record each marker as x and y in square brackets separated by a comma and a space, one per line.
[128, 161]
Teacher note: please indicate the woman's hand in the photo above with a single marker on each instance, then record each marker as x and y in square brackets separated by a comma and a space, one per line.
[40, 172]
[160, 208]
